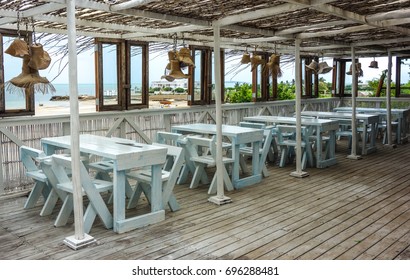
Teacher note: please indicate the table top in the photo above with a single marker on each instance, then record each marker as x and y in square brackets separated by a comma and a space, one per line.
[370, 110]
[291, 120]
[118, 149]
[242, 134]
[341, 115]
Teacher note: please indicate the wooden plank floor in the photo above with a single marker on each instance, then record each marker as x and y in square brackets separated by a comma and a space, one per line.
[357, 209]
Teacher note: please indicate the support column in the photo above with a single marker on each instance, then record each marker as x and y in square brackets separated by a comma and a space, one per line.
[353, 153]
[220, 197]
[388, 101]
[79, 239]
[298, 91]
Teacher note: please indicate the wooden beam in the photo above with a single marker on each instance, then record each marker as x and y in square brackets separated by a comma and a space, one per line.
[99, 6]
[332, 10]
[131, 4]
[263, 13]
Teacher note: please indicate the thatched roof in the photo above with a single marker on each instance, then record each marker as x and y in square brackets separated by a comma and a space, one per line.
[325, 27]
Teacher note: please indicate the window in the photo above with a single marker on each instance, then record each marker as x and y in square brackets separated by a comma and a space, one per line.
[402, 76]
[121, 78]
[201, 88]
[310, 84]
[340, 78]
[13, 101]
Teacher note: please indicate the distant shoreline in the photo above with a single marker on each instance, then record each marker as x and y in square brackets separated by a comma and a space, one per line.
[67, 97]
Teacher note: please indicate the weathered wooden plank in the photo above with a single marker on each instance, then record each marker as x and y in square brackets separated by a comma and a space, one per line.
[282, 217]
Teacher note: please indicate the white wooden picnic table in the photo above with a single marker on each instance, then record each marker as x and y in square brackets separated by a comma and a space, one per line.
[321, 126]
[238, 136]
[369, 120]
[401, 115]
[125, 154]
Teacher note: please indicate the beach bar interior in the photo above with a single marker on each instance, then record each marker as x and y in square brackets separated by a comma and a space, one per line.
[316, 176]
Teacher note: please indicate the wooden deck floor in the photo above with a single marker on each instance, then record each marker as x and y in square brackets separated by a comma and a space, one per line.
[357, 209]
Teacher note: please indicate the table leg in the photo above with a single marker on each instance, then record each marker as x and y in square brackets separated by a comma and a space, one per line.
[156, 189]
[119, 179]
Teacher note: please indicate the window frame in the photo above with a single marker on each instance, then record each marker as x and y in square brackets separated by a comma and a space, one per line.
[29, 109]
[398, 77]
[123, 56]
[206, 74]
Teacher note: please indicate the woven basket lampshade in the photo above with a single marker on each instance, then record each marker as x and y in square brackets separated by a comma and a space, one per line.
[374, 64]
[324, 68]
[313, 66]
[246, 58]
[29, 78]
[18, 48]
[172, 55]
[176, 72]
[359, 70]
[257, 60]
[184, 56]
[40, 59]
[273, 65]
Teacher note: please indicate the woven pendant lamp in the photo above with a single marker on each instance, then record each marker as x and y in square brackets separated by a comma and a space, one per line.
[313, 66]
[184, 56]
[246, 58]
[273, 65]
[176, 70]
[18, 48]
[324, 68]
[29, 78]
[40, 59]
[256, 60]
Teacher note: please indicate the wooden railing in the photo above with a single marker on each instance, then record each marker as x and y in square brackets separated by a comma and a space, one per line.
[140, 125]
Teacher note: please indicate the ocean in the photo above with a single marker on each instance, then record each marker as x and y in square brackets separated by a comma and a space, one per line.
[16, 101]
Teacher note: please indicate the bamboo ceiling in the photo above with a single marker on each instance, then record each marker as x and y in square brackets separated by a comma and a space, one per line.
[325, 27]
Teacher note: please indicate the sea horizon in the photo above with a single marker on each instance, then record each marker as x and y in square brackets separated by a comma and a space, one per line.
[16, 100]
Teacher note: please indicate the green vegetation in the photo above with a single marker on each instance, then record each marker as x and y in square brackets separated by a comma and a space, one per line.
[239, 93]
[179, 90]
[154, 89]
[325, 89]
[167, 89]
[286, 90]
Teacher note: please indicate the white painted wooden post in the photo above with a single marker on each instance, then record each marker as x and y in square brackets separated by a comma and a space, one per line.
[353, 153]
[2, 186]
[80, 239]
[298, 173]
[220, 197]
[388, 100]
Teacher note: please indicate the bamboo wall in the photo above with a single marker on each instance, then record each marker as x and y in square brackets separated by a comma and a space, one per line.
[140, 125]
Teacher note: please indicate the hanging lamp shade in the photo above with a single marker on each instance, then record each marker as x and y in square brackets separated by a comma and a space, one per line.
[374, 64]
[29, 78]
[350, 70]
[359, 71]
[324, 68]
[171, 56]
[246, 58]
[184, 56]
[256, 60]
[273, 65]
[176, 72]
[18, 48]
[40, 59]
[313, 66]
